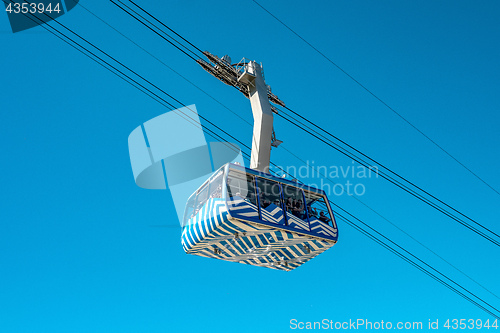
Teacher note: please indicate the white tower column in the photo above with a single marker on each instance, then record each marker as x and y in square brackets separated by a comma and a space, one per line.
[263, 120]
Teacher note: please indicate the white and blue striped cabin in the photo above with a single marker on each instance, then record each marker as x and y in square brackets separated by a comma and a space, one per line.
[246, 216]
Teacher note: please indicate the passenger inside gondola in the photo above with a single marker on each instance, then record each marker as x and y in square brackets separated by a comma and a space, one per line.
[289, 204]
[313, 213]
[299, 209]
[264, 202]
[323, 218]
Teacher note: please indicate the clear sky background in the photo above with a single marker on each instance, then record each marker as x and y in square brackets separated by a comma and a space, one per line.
[83, 249]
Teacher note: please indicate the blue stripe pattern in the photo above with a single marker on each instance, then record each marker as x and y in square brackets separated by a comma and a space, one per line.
[216, 233]
[273, 214]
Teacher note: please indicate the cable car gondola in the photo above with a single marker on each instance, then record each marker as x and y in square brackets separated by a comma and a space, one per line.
[251, 217]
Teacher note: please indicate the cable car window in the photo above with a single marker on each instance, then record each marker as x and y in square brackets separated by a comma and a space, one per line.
[270, 201]
[294, 201]
[216, 186]
[241, 185]
[201, 198]
[189, 211]
[269, 192]
[317, 209]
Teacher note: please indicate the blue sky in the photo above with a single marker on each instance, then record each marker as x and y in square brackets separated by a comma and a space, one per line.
[79, 246]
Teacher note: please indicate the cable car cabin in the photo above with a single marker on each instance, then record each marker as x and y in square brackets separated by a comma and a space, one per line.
[243, 215]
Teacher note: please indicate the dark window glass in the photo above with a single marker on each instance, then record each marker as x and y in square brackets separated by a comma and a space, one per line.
[294, 201]
[269, 192]
[317, 209]
[270, 201]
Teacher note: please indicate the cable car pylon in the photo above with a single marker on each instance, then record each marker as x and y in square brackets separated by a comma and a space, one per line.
[248, 77]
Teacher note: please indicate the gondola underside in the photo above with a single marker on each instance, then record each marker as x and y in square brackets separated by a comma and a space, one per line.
[214, 233]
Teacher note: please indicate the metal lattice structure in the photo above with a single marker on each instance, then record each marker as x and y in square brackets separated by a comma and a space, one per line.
[233, 74]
